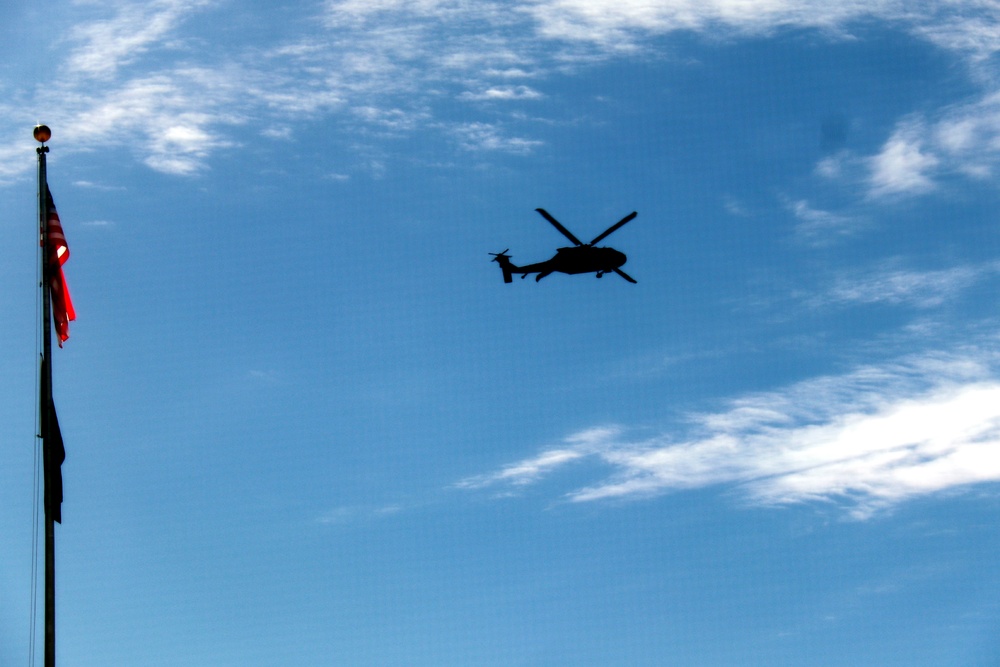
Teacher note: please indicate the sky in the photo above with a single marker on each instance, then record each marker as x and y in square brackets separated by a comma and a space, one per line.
[307, 422]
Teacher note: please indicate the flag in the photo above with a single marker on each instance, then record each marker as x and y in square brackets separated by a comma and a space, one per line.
[53, 452]
[58, 253]
[53, 456]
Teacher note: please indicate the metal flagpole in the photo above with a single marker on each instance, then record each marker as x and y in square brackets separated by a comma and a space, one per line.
[42, 134]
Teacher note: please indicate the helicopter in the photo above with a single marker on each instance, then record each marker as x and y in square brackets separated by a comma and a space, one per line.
[579, 258]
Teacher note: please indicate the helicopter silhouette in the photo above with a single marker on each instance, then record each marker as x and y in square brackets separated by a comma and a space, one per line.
[580, 258]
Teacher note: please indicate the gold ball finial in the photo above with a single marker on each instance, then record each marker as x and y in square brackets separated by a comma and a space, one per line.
[42, 133]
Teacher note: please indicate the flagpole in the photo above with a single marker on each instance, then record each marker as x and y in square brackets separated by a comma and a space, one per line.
[42, 134]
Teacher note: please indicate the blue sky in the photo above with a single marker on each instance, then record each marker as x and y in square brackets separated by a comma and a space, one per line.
[308, 423]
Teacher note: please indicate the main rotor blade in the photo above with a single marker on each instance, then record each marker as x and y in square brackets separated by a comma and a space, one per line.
[555, 223]
[624, 275]
[614, 227]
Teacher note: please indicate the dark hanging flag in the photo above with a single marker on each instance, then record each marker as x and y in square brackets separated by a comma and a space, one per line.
[53, 457]
[53, 453]
[58, 253]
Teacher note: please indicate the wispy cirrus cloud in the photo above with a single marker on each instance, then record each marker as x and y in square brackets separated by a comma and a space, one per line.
[968, 28]
[105, 45]
[165, 81]
[890, 283]
[820, 227]
[371, 63]
[868, 439]
[525, 472]
[352, 514]
[614, 22]
[491, 137]
[500, 93]
[529, 471]
[164, 117]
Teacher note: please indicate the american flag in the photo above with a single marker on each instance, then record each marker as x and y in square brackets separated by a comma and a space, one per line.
[58, 251]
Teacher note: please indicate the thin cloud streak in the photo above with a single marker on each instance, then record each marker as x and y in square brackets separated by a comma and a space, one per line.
[893, 285]
[613, 23]
[489, 137]
[869, 439]
[351, 514]
[500, 93]
[528, 471]
[525, 472]
[109, 44]
[818, 227]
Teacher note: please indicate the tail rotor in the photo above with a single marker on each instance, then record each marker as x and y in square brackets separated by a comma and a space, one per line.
[503, 259]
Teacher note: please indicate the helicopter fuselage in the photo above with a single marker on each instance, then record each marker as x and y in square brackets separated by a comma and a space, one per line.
[585, 259]
[573, 260]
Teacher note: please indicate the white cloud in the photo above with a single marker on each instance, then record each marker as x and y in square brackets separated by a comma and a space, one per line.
[391, 119]
[817, 226]
[615, 21]
[970, 29]
[924, 289]
[964, 140]
[97, 186]
[841, 164]
[405, 57]
[489, 137]
[111, 43]
[280, 132]
[166, 117]
[348, 514]
[503, 93]
[526, 471]
[871, 438]
[735, 207]
[903, 164]
[12, 158]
